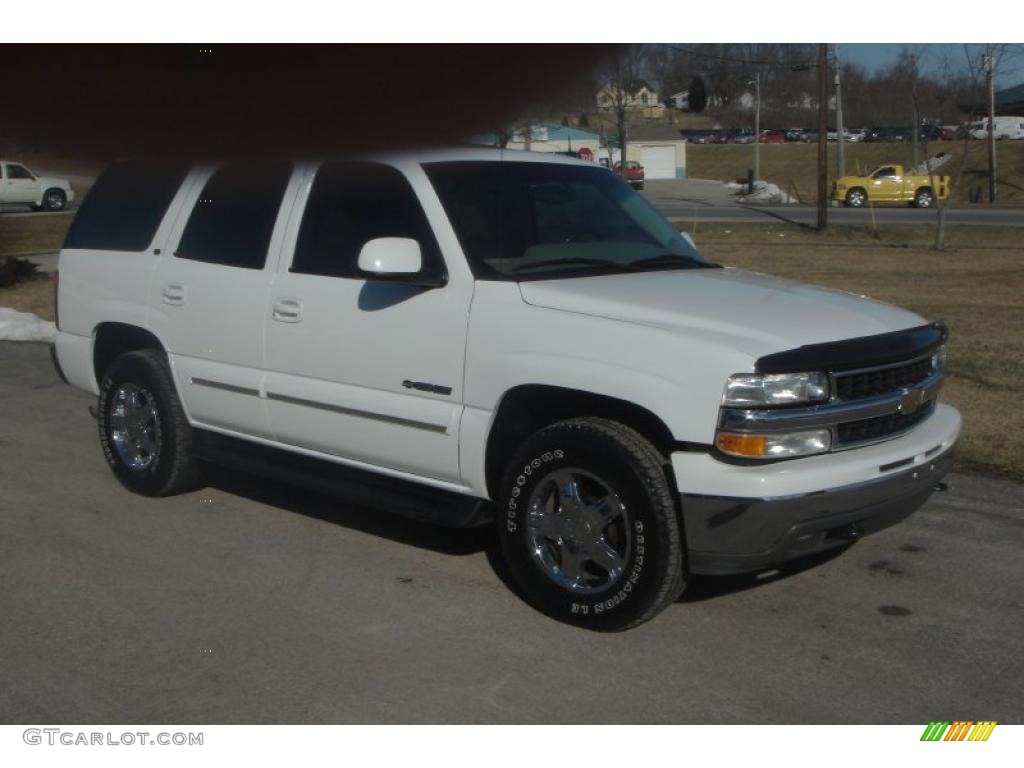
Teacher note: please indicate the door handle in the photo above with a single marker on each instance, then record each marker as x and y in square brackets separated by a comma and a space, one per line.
[173, 294]
[287, 310]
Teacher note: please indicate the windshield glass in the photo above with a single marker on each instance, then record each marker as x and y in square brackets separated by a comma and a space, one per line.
[523, 221]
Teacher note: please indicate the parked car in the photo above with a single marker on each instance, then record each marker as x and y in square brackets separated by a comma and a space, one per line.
[891, 184]
[726, 135]
[930, 133]
[888, 134]
[700, 136]
[20, 186]
[634, 173]
[744, 136]
[472, 336]
[772, 137]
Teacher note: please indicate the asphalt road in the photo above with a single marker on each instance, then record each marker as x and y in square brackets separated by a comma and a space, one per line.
[255, 602]
[689, 199]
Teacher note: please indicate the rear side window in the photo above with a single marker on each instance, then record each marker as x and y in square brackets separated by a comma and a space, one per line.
[235, 214]
[125, 206]
[352, 203]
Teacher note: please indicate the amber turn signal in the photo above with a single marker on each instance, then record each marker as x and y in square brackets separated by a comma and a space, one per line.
[741, 445]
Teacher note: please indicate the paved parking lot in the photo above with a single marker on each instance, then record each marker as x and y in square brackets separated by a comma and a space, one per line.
[255, 602]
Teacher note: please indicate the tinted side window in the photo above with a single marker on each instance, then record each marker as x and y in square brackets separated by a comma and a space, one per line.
[352, 203]
[18, 172]
[125, 206]
[235, 214]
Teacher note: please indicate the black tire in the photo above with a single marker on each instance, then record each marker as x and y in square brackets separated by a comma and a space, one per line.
[924, 198]
[856, 198]
[645, 533]
[171, 467]
[54, 200]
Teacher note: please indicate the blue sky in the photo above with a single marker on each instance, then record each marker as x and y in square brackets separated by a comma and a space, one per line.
[874, 56]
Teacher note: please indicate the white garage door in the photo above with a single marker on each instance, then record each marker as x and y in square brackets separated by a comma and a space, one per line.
[659, 162]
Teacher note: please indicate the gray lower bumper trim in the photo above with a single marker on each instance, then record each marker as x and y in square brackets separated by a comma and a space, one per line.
[734, 535]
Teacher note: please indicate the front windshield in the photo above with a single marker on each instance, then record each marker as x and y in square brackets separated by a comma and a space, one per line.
[527, 221]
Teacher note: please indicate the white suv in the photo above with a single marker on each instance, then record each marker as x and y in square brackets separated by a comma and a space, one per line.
[496, 335]
[20, 186]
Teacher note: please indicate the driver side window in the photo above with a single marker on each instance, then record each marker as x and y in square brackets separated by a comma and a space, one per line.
[887, 172]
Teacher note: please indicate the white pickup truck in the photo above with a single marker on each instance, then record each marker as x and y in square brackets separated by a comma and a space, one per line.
[471, 335]
[20, 186]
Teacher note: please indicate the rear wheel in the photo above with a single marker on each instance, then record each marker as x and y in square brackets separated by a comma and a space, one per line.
[924, 198]
[145, 436]
[588, 526]
[856, 197]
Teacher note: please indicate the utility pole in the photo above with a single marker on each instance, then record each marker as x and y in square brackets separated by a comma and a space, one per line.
[989, 67]
[822, 137]
[840, 155]
[756, 82]
[915, 132]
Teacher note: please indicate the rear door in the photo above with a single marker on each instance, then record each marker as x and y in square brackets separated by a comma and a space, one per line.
[209, 293]
[20, 185]
[366, 370]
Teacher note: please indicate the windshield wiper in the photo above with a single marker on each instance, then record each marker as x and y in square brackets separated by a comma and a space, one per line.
[575, 261]
[672, 260]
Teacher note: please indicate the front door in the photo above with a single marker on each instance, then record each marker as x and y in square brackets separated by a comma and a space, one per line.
[367, 370]
[886, 185]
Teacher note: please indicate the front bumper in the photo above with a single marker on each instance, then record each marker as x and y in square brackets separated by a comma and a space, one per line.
[801, 507]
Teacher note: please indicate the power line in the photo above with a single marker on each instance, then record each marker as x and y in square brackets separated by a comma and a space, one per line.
[733, 59]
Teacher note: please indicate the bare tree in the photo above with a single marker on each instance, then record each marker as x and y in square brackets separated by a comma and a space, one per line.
[619, 79]
[973, 86]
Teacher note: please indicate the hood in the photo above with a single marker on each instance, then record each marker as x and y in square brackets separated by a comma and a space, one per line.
[757, 314]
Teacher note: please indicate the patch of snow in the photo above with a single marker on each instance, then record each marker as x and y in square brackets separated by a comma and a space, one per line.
[767, 193]
[934, 162]
[24, 326]
[763, 193]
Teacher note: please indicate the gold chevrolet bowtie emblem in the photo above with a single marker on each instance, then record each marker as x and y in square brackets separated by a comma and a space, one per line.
[912, 399]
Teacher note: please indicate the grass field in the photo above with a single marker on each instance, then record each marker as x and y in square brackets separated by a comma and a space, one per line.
[37, 233]
[976, 286]
[797, 163]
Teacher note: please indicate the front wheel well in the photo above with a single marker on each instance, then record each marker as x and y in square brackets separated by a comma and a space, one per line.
[111, 340]
[529, 407]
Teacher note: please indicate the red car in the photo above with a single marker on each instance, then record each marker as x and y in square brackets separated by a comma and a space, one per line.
[634, 173]
[772, 137]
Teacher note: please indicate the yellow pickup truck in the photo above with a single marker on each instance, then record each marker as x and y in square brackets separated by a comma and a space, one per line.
[891, 184]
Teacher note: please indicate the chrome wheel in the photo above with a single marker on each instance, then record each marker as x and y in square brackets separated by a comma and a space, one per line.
[577, 530]
[54, 201]
[135, 426]
[924, 200]
[856, 198]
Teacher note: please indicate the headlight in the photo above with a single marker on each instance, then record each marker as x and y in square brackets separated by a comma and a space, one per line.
[747, 390]
[774, 446]
[939, 360]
